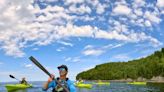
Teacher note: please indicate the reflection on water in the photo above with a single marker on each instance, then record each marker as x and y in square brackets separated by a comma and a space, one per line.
[113, 87]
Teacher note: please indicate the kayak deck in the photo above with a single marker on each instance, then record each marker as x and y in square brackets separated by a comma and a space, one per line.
[137, 83]
[11, 87]
[82, 85]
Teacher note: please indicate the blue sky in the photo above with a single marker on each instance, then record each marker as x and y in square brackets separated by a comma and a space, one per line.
[77, 33]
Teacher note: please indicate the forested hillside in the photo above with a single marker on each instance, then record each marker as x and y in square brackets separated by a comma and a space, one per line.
[147, 67]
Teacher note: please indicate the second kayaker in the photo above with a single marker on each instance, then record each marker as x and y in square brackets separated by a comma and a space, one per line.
[63, 80]
[79, 81]
[23, 81]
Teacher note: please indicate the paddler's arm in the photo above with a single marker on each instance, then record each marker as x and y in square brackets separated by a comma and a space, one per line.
[71, 86]
[50, 83]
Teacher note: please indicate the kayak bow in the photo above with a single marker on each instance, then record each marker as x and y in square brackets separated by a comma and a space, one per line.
[137, 83]
[82, 85]
[11, 87]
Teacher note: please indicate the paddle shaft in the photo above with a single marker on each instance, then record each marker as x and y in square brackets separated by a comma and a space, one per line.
[44, 70]
[39, 65]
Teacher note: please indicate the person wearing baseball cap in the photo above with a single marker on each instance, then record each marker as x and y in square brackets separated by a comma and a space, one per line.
[63, 80]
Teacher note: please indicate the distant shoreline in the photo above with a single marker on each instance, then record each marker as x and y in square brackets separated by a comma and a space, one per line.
[157, 79]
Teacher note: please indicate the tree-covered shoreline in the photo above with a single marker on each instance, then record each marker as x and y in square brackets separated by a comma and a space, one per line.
[147, 67]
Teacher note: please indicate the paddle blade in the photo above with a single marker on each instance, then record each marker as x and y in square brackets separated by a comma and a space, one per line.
[11, 76]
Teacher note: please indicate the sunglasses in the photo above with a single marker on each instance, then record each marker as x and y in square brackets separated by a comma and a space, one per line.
[62, 69]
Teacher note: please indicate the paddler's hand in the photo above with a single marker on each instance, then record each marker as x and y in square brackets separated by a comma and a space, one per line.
[51, 78]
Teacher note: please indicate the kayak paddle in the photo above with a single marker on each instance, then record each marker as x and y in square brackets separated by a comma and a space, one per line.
[44, 70]
[11, 76]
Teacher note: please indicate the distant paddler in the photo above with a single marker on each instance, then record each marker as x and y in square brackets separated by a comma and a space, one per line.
[23, 81]
[79, 81]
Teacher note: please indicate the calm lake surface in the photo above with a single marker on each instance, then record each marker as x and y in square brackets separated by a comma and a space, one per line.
[113, 87]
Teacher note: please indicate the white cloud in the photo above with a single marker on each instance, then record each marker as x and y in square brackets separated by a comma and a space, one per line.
[2, 2]
[118, 45]
[52, 0]
[152, 17]
[111, 35]
[133, 16]
[138, 12]
[139, 3]
[88, 47]
[60, 49]
[68, 59]
[19, 25]
[160, 3]
[82, 9]
[100, 8]
[29, 66]
[13, 50]
[122, 10]
[72, 59]
[94, 3]
[86, 18]
[76, 31]
[92, 52]
[65, 43]
[111, 46]
[147, 23]
[73, 1]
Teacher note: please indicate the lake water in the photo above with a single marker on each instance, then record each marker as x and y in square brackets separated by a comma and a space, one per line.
[113, 87]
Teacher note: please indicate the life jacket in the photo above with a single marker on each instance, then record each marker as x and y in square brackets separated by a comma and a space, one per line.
[59, 88]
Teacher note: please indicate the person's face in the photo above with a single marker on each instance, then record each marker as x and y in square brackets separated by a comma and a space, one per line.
[62, 72]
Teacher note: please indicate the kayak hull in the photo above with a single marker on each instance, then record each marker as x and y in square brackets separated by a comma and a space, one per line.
[81, 85]
[11, 87]
[137, 83]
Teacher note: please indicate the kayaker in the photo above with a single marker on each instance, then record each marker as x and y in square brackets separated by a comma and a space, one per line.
[23, 81]
[80, 81]
[63, 80]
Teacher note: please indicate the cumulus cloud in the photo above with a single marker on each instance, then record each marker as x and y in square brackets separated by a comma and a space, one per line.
[74, 1]
[138, 12]
[139, 3]
[122, 10]
[147, 23]
[22, 22]
[160, 3]
[82, 9]
[152, 17]
[100, 8]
